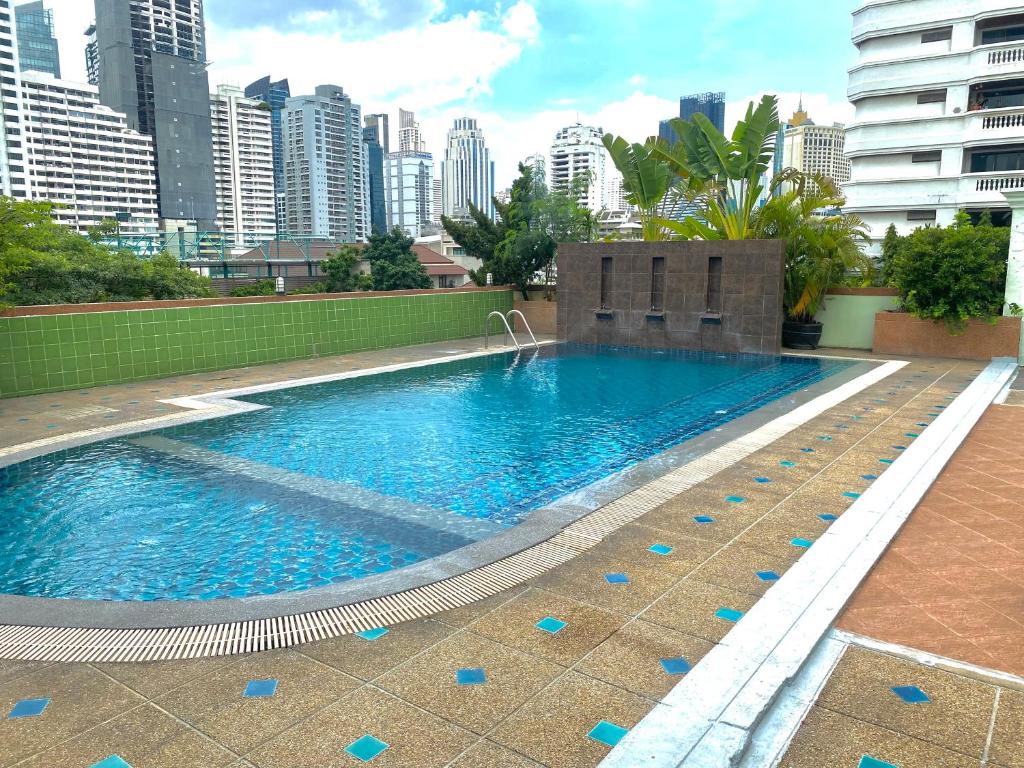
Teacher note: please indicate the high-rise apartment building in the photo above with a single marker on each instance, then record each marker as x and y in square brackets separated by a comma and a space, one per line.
[274, 94]
[938, 90]
[467, 171]
[817, 149]
[410, 138]
[83, 156]
[578, 152]
[711, 105]
[438, 211]
[12, 150]
[376, 177]
[325, 166]
[92, 56]
[37, 45]
[243, 159]
[152, 67]
[411, 191]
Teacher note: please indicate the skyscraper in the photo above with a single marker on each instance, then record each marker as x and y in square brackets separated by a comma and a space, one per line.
[12, 153]
[578, 152]
[274, 94]
[375, 176]
[380, 123]
[152, 67]
[243, 159]
[92, 56]
[467, 170]
[410, 139]
[711, 105]
[325, 166]
[411, 191]
[82, 155]
[37, 46]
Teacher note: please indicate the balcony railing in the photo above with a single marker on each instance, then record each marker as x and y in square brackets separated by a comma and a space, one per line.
[1004, 120]
[999, 183]
[1006, 56]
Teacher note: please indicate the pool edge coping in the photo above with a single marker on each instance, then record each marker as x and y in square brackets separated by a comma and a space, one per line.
[544, 540]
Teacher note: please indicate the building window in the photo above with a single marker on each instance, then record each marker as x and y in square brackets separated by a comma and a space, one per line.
[1004, 29]
[606, 282]
[926, 157]
[921, 215]
[932, 97]
[658, 284]
[935, 35]
[997, 161]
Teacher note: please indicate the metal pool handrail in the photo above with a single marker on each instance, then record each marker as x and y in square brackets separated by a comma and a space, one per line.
[525, 325]
[508, 329]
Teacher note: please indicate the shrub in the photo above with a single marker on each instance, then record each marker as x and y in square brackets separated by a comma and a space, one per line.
[951, 274]
[264, 287]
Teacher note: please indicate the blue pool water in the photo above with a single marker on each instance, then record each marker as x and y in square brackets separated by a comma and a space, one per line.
[341, 480]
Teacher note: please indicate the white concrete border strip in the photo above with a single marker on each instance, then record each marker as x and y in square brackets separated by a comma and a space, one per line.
[708, 719]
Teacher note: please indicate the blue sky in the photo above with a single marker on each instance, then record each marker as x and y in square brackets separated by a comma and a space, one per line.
[526, 68]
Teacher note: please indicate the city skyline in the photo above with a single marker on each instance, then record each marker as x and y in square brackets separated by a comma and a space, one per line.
[534, 72]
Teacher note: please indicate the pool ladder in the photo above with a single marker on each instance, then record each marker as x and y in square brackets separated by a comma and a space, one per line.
[505, 321]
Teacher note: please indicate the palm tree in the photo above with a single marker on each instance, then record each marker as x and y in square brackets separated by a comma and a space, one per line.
[646, 180]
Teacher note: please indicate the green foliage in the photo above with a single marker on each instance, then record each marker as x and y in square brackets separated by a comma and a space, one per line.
[890, 244]
[42, 262]
[265, 287]
[821, 250]
[339, 271]
[952, 274]
[541, 219]
[393, 265]
[646, 179]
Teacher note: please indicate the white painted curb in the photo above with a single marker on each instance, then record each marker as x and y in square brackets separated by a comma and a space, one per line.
[707, 720]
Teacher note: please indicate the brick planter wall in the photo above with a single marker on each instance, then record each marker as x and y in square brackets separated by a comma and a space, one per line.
[900, 333]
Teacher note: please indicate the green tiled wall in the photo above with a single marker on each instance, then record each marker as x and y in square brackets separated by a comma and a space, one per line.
[49, 353]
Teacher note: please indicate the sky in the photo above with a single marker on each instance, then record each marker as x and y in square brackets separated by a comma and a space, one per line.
[526, 68]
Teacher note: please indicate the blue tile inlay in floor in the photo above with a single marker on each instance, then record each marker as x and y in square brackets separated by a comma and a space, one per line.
[828, 518]
[886, 461]
[729, 614]
[851, 494]
[768, 576]
[260, 689]
[762, 480]
[471, 676]
[661, 549]
[704, 519]
[677, 666]
[911, 694]
[869, 477]
[616, 578]
[802, 543]
[366, 748]
[551, 625]
[608, 733]
[807, 450]
[373, 634]
[735, 499]
[787, 464]
[28, 708]
[870, 762]
[114, 761]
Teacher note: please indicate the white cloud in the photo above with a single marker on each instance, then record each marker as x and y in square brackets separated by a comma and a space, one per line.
[70, 19]
[521, 22]
[637, 80]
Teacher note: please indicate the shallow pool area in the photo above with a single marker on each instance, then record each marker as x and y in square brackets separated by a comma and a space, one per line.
[341, 480]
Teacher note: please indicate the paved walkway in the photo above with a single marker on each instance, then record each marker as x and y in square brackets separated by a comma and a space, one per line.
[952, 582]
[545, 675]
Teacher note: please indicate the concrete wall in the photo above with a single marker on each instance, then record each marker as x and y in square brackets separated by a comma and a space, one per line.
[541, 315]
[722, 296]
[48, 349]
[848, 316]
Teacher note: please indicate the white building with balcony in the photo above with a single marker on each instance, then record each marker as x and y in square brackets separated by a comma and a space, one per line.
[578, 152]
[243, 164]
[939, 124]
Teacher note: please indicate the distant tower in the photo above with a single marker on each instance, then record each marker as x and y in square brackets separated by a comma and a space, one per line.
[467, 170]
[410, 139]
[578, 151]
[375, 175]
[274, 95]
[153, 68]
[37, 46]
[711, 105]
[12, 151]
[379, 123]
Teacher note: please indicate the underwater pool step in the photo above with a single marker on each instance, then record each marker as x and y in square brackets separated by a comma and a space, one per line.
[331, 490]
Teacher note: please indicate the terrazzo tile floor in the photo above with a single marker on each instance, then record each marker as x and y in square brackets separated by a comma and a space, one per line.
[548, 698]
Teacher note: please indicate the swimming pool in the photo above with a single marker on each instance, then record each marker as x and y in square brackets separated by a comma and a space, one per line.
[341, 480]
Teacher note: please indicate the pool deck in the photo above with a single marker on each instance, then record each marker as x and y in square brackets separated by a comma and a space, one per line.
[619, 647]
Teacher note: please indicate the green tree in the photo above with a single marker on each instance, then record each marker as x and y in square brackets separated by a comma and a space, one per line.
[265, 287]
[339, 271]
[393, 265]
[480, 237]
[890, 244]
[953, 274]
[646, 179]
[43, 262]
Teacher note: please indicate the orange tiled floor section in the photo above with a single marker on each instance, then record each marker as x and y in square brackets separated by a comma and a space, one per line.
[952, 582]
